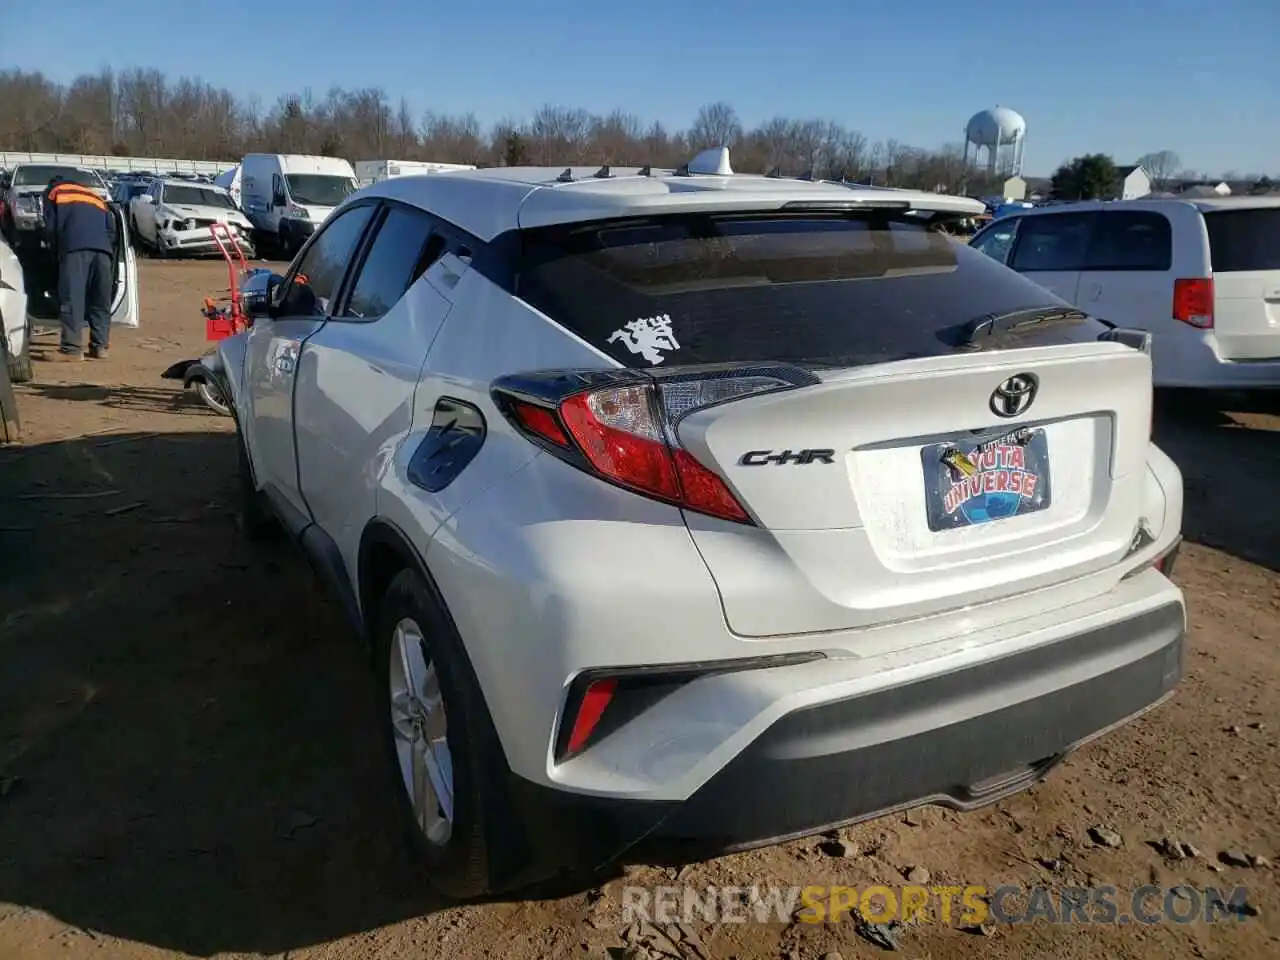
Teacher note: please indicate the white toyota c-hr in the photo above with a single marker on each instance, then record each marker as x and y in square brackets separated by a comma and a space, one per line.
[699, 510]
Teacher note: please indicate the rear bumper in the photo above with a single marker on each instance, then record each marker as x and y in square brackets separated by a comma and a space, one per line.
[1196, 361]
[961, 740]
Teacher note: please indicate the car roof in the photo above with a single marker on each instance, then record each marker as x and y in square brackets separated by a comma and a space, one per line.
[493, 200]
[1237, 203]
[1147, 203]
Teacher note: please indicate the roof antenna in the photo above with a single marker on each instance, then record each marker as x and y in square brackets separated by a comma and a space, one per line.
[603, 173]
[646, 171]
[711, 163]
[775, 173]
[566, 177]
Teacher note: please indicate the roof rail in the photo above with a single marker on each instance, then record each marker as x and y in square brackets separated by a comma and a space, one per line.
[603, 173]
[646, 171]
[566, 177]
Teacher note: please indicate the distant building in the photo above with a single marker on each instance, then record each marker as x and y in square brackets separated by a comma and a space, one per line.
[1134, 182]
[1015, 188]
[1205, 190]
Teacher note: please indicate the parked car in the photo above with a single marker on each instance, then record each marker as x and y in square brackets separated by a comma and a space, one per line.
[1203, 276]
[23, 210]
[702, 509]
[174, 217]
[125, 189]
[29, 294]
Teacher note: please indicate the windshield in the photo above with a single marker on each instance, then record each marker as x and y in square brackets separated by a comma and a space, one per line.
[831, 290]
[33, 175]
[197, 197]
[322, 189]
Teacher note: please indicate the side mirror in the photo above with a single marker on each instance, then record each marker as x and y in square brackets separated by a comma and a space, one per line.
[277, 200]
[145, 198]
[261, 293]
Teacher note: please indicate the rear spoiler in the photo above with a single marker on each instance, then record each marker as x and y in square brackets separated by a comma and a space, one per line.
[1137, 339]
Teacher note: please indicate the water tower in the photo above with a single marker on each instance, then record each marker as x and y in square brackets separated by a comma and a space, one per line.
[1002, 133]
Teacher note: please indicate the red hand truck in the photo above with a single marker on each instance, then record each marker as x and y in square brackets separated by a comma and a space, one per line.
[225, 321]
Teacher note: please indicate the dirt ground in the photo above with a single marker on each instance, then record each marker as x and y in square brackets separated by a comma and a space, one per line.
[187, 759]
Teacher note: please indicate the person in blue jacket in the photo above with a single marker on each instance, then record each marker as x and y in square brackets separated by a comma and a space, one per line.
[82, 232]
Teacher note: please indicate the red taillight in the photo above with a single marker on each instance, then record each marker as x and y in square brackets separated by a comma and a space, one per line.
[540, 421]
[1193, 302]
[623, 434]
[590, 710]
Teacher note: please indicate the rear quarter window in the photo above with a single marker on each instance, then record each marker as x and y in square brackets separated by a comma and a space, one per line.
[1131, 240]
[1244, 240]
[821, 290]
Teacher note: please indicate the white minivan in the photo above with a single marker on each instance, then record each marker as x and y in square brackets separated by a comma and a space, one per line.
[1202, 276]
[287, 196]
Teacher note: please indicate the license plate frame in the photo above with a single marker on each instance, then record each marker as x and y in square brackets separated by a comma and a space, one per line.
[976, 481]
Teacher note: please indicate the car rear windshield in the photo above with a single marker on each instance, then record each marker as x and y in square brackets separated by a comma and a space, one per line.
[1241, 240]
[823, 290]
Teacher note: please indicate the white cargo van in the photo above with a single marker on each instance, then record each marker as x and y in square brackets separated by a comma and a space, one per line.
[287, 196]
[375, 171]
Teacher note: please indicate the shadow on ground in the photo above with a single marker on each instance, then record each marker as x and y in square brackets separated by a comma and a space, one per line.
[168, 398]
[1230, 471]
[187, 752]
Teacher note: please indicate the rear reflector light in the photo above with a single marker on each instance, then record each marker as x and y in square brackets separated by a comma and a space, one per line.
[1193, 302]
[1163, 562]
[590, 709]
[625, 430]
[598, 703]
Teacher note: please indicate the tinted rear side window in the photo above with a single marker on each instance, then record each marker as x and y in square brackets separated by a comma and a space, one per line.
[822, 289]
[1053, 242]
[1131, 240]
[1241, 240]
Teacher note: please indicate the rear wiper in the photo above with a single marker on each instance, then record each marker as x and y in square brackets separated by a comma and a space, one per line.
[996, 324]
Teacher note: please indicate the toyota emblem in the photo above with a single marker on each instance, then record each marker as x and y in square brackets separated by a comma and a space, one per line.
[1015, 395]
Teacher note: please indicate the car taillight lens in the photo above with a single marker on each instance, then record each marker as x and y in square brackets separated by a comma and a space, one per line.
[626, 432]
[1193, 302]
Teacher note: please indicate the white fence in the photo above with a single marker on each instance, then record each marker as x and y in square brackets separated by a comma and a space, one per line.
[10, 159]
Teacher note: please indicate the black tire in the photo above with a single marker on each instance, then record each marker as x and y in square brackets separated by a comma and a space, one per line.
[458, 868]
[253, 517]
[10, 424]
[20, 369]
[212, 397]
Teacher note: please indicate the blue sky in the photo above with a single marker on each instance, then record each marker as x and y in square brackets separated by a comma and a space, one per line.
[1113, 76]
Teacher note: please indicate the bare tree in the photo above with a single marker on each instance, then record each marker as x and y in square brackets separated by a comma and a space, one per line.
[1160, 166]
[143, 113]
[559, 134]
[717, 125]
